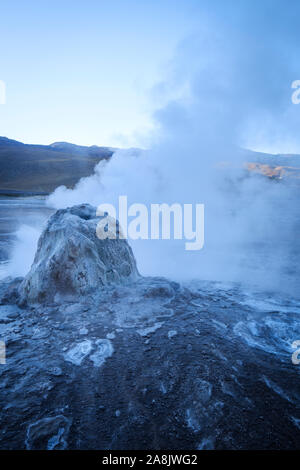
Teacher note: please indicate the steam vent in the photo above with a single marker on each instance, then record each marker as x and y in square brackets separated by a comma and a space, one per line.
[71, 259]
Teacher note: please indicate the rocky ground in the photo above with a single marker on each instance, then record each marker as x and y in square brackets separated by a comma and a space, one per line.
[146, 363]
[150, 365]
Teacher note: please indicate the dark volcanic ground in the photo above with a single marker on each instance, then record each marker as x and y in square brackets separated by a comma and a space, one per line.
[151, 365]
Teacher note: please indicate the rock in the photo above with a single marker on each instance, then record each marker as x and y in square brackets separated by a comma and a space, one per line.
[78, 352]
[104, 350]
[48, 433]
[72, 261]
[55, 371]
[73, 309]
[151, 329]
[161, 288]
[83, 331]
[172, 333]
[110, 335]
[9, 290]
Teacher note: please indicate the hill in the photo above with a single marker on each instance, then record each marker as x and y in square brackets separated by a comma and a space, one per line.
[41, 168]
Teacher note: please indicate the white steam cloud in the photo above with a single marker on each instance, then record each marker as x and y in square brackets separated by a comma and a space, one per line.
[23, 252]
[231, 83]
[249, 221]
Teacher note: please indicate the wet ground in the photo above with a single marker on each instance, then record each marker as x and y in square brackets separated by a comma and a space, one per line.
[151, 365]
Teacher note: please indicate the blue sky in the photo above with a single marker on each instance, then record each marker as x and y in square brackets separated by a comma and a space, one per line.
[86, 71]
[81, 71]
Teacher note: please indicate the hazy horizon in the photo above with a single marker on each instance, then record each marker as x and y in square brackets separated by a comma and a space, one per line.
[98, 73]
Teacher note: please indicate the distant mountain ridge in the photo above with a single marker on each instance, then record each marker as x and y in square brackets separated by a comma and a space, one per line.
[41, 168]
